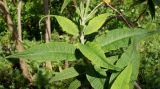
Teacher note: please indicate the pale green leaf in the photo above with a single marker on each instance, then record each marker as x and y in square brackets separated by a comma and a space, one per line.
[75, 84]
[66, 74]
[118, 35]
[65, 3]
[67, 25]
[96, 55]
[123, 79]
[54, 51]
[95, 23]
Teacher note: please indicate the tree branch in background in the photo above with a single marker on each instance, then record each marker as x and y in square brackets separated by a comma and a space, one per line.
[47, 29]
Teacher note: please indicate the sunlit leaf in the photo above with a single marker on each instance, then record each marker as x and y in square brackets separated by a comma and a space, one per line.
[95, 23]
[54, 51]
[67, 25]
[66, 74]
[123, 79]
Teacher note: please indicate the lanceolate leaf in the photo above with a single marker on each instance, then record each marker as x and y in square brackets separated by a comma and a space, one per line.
[66, 74]
[95, 24]
[54, 51]
[117, 35]
[65, 3]
[131, 55]
[67, 25]
[75, 84]
[95, 54]
[122, 81]
[96, 77]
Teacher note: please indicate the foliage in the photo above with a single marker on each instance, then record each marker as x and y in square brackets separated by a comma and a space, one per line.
[100, 49]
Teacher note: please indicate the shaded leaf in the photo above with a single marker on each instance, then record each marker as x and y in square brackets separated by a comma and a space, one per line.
[67, 25]
[96, 55]
[151, 8]
[95, 78]
[54, 51]
[75, 84]
[65, 3]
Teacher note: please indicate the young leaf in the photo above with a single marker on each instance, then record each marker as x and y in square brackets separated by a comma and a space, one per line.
[66, 74]
[54, 51]
[67, 25]
[122, 81]
[95, 23]
[118, 35]
[65, 3]
[96, 55]
[75, 84]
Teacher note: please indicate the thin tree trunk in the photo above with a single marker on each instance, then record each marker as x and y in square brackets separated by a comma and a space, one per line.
[15, 36]
[19, 46]
[47, 29]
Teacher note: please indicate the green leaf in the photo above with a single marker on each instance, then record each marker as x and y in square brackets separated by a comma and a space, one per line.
[66, 74]
[65, 3]
[127, 57]
[96, 77]
[96, 55]
[116, 36]
[122, 81]
[75, 84]
[95, 23]
[54, 51]
[131, 55]
[67, 25]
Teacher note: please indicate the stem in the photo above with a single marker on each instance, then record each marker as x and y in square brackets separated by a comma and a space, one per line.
[119, 14]
[94, 9]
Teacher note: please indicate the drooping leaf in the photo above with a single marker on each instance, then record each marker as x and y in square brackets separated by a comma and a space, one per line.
[96, 55]
[67, 25]
[75, 84]
[122, 81]
[54, 51]
[65, 3]
[116, 36]
[95, 23]
[66, 74]
[97, 77]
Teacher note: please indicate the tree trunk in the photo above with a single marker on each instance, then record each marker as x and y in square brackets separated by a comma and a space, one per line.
[15, 35]
[19, 46]
[47, 29]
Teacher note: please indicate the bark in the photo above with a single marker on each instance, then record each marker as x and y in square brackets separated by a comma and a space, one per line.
[15, 36]
[19, 46]
[47, 29]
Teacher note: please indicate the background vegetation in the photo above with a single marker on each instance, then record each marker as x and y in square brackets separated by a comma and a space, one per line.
[98, 37]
